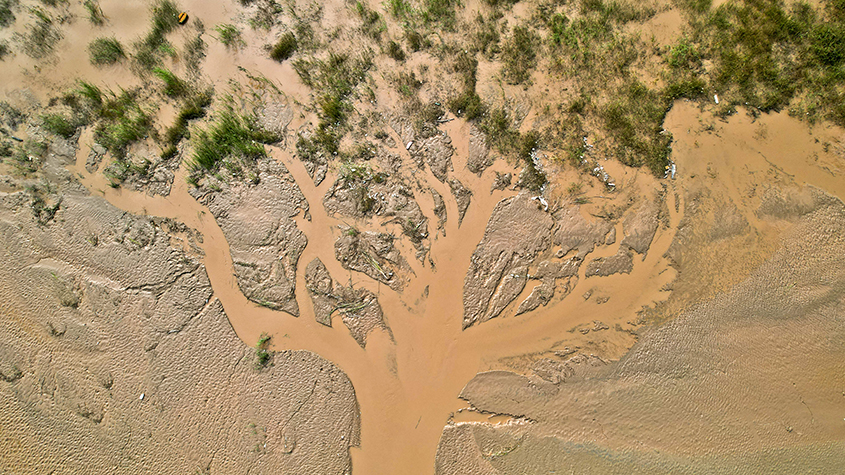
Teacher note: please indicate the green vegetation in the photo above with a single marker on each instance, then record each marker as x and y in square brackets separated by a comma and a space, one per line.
[173, 86]
[118, 119]
[230, 35]
[122, 123]
[335, 78]
[195, 52]
[262, 354]
[40, 197]
[55, 3]
[395, 51]
[770, 56]
[95, 13]
[7, 17]
[467, 104]
[4, 50]
[284, 48]
[519, 55]
[373, 25]
[41, 36]
[266, 15]
[193, 108]
[233, 141]
[440, 12]
[105, 51]
[149, 50]
[59, 125]
[27, 157]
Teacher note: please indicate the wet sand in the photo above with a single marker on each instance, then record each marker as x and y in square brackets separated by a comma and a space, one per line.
[407, 381]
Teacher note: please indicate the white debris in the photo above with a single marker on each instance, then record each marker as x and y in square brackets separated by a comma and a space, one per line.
[542, 201]
[408, 147]
[716, 98]
[142, 397]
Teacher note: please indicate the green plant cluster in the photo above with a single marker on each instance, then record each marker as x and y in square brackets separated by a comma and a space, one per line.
[233, 140]
[230, 35]
[284, 48]
[105, 51]
[149, 50]
[7, 16]
[771, 56]
[95, 13]
[262, 352]
[27, 157]
[41, 36]
[335, 78]
[194, 107]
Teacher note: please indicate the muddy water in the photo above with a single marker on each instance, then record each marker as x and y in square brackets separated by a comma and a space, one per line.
[741, 154]
[406, 386]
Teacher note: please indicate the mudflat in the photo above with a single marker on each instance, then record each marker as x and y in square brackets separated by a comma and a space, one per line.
[421, 237]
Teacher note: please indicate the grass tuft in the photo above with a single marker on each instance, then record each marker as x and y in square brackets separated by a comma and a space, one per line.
[95, 13]
[59, 124]
[230, 35]
[105, 51]
[284, 48]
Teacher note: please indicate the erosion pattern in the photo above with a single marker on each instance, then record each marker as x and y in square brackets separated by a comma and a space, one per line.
[116, 357]
[704, 386]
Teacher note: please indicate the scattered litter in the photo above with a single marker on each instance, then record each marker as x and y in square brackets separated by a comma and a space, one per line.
[408, 147]
[716, 98]
[142, 397]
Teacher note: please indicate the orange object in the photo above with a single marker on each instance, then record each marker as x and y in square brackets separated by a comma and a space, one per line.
[183, 18]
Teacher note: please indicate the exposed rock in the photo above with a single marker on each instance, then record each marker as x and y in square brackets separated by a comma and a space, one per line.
[439, 210]
[640, 226]
[143, 321]
[435, 151]
[373, 254]
[502, 181]
[95, 156]
[540, 295]
[620, 263]
[575, 232]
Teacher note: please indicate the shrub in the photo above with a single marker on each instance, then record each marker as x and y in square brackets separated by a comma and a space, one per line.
[7, 17]
[284, 48]
[519, 55]
[173, 86]
[105, 51]
[59, 125]
[232, 138]
[394, 50]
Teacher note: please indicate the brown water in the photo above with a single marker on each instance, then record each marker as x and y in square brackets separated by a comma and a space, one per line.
[407, 387]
